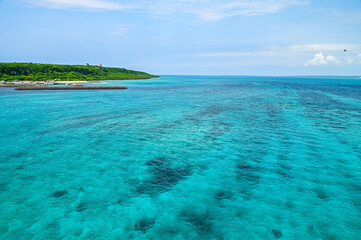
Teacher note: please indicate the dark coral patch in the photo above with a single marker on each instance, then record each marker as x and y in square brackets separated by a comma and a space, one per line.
[60, 193]
[223, 194]
[80, 207]
[332, 237]
[202, 221]
[276, 233]
[157, 162]
[144, 224]
[247, 172]
[169, 177]
[164, 176]
[321, 193]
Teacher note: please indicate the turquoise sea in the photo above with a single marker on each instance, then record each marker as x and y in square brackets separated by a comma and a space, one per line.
[184, 157]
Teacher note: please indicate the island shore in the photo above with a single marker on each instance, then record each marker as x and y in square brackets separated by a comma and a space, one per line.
[71, 88]
[40, 83]
[73, 85]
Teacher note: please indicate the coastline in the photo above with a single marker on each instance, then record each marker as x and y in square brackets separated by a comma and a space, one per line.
[72, 88]
[53, 86]
[45, 85]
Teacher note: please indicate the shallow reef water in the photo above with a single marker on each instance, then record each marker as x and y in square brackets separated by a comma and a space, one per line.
[184, 157]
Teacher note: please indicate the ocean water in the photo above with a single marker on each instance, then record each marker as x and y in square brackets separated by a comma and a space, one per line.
[184, 157]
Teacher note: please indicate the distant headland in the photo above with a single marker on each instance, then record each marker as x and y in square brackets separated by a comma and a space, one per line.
[58, 72]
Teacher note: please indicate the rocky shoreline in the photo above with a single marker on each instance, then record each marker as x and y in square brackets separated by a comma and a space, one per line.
[71, 88]
[44, 86]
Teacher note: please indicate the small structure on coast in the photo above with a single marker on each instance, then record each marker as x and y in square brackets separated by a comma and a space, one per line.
[50, 82]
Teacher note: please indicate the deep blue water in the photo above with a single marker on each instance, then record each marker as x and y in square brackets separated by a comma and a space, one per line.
[184, 157]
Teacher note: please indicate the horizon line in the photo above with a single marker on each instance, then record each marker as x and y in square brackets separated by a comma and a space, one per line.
[250, 75]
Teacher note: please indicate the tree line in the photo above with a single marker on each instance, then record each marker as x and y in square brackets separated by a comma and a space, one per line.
[43, 72]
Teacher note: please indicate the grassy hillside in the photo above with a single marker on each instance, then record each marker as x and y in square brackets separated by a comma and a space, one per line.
[41, 72]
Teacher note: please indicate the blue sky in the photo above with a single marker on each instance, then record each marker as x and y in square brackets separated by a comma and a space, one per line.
[225, 37]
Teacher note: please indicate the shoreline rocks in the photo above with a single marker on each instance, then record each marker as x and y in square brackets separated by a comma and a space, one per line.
[70, 88]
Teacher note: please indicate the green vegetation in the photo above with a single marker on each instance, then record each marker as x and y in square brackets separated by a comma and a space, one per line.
[42, 72]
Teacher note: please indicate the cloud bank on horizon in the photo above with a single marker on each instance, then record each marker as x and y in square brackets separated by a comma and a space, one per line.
[306, 49]
[259, 37]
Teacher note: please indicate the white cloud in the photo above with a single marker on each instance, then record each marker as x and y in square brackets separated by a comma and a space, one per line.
[359, 54]
[332, 60]
[203, 9]
[320, 60]
[218, 9]
[78, 4]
